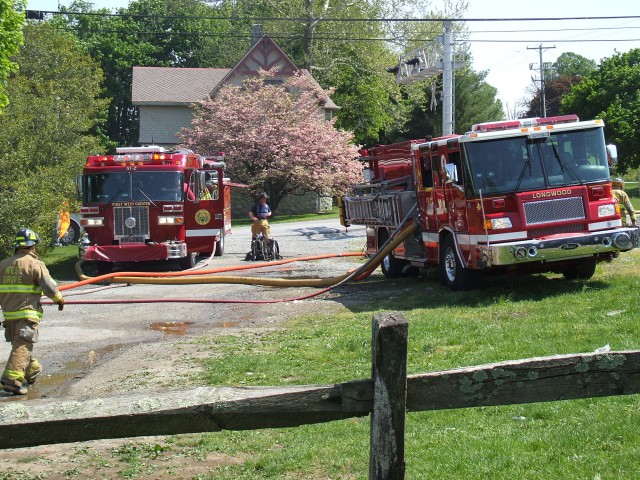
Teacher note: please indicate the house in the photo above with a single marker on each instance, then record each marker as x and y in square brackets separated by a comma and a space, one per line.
[164, 95]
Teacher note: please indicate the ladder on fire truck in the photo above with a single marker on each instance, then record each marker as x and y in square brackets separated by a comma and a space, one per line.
[442, 55]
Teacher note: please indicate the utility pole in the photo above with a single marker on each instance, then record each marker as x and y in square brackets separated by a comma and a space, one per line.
[447, 79]
[442, 55]
[543, 104]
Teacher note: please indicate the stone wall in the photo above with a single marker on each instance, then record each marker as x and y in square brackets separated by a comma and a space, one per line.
[310, 202]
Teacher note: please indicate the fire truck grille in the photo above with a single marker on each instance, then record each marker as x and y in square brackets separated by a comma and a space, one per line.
[544, 232]
[555, 210]
[140, 230]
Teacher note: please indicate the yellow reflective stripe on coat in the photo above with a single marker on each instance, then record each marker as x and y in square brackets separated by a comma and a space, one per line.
[13, 375]
[26, 314]
[20, 288]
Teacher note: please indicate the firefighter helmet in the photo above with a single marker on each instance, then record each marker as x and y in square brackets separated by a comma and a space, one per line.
[26, 238]
[617, 183]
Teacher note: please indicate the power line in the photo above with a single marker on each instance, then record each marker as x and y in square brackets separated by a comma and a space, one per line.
[330, 37]
[559, 41]
[329, 19]
[275, 36]
[553, 30]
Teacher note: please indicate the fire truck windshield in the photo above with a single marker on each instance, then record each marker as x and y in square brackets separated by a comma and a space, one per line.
[133, 186]
[550, 160]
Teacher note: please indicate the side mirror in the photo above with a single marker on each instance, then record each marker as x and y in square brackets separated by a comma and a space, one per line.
[612, 154]
[451, 172]
[79, 186]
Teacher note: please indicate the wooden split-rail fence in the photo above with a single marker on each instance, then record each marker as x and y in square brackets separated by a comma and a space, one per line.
[386, 396]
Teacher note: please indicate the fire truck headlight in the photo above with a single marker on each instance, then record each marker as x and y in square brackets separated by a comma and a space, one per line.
[606, 210]
[92, 222]
[170, 220]
[501, 223]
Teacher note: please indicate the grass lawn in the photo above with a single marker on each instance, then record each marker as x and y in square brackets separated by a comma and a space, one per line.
[507, 318]
[60, 262]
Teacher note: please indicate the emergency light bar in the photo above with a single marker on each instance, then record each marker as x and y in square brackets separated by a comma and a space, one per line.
[523, 123]
[147, 149]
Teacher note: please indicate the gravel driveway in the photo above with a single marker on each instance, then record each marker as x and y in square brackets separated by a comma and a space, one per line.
[89, 350]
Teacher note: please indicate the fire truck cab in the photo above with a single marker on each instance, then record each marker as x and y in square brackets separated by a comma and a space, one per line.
[146, 203]
[529, 195]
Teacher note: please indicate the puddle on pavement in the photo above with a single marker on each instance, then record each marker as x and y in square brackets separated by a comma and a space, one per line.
[47, 384]
[171, 328]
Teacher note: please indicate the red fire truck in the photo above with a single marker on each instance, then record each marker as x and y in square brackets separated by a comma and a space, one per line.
[530, 195]
[145, 203]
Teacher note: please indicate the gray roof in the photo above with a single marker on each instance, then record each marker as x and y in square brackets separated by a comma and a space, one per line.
[157, 85]
[327, 102]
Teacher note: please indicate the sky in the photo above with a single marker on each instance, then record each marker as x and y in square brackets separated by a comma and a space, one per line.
[506, 49]
[508, 62]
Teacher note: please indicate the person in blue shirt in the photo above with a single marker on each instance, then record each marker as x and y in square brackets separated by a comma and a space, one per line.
[259, 214]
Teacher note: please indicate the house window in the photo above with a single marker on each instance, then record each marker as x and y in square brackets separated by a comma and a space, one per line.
[271, 81]
[328, 114]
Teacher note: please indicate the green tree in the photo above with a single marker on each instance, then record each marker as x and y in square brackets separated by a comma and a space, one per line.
[48, 129]
[570, 64]
[611, 93]
[162, 33]
[11, 21]
[567, 71]
[345, 55]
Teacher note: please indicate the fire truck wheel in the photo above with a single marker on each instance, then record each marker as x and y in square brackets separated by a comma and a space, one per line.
[189, 261]
[580, 271]
[452, 274]
[220, 245]
[72, 235]
[392, 267]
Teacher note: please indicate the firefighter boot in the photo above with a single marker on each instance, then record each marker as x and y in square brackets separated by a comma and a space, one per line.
[13, 389]
[33, 370]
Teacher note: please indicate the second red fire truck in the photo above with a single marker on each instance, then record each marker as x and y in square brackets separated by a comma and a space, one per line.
[530, 195]
[146, 203]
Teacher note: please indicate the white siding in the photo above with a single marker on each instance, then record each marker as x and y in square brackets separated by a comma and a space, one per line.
[160, 123]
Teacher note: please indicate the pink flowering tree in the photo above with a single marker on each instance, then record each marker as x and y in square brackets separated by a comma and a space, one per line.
[275, 138]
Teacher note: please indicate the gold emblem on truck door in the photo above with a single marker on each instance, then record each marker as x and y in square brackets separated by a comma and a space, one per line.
[203, 217]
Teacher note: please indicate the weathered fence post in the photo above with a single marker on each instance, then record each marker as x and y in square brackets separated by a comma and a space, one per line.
[389, 374]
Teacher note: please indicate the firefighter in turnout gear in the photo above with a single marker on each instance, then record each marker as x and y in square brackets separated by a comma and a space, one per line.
[23, 280]
[623, 200]
[259, 214]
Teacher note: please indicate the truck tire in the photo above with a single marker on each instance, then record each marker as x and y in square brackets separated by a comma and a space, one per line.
[220, 245]
[72, 235]
[452, 273]
[391, 266]
[583, 270]
[189, 261]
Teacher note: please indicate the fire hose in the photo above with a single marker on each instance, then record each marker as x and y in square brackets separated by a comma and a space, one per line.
[207, 277]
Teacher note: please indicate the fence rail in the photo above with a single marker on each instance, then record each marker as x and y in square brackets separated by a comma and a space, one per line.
[212, 409]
